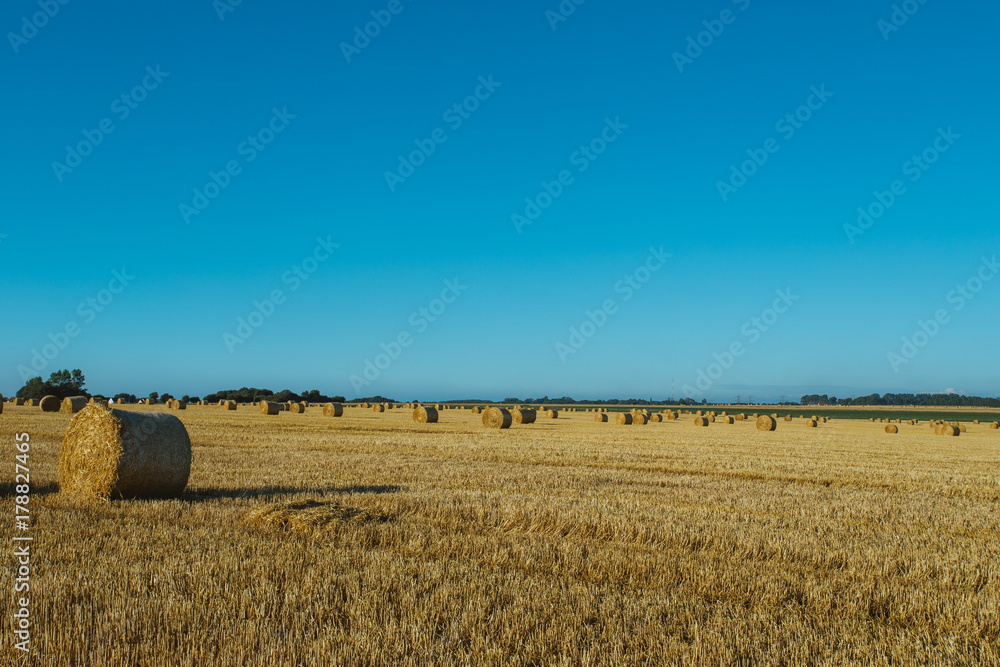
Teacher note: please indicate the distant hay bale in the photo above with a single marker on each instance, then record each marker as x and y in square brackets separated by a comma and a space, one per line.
[523, 415]
[701, 421]
[180, 405]
[963, 428]
[73, 404]
[297, 408]
[229, 405]
[711, 419]
[811, 423]
[699, 413]
[109, 453]
[333, 410]
[950, 430]
[269, 408]
[728, 420]
[766, 423]
[31, 402]
[740, 417]
[601, 417]
[476, 410]
[624, 418]
[640, 419]
[552, 414]
[672, 416]
[378, 407]
[365, 406]
[892, 428]
[50, 404]
[788, 418]
[425, 415]
[656, 418]
[494, 417]
[18, 402]
[995, 425]
[120, 401]
[976, 422]
[438, 406]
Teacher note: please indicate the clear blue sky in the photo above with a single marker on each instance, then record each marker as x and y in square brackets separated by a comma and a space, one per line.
[607, 66]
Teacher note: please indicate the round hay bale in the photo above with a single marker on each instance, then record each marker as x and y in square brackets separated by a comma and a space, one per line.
[552, 414]
[672, 416]
[976, 422]
[740, 417]
[270, 408]
[728, 420]
[110, 453]
[711, 419]
[624, 418]
[995, 425]
[963, 428]
[73, 404]
[50, 404]
[229, 405]
[425, 415]
[656, 418]
[811, 423]
[476, 410]
[640, 419]
[180, 405]
[766, 423]
[438, 406]
[950, 430]
[523, 415]
[601, 417]
[701, 421]
[788, 418]
[365, 406]
[378, 407]
[333, 410]
[699, 413]
[892, 428]
[494, 417]
[31, 402]
[18, 402]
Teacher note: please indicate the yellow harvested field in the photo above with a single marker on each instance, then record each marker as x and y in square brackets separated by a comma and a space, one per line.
[372, 539]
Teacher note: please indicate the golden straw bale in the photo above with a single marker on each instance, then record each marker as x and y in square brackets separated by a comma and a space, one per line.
[701, 421]
[766, 423]
[425, 415]
[601, 417]
[333, 410]
[624, 418]
[494, 417]
[73, 404]
[50, 404]
[523, 415]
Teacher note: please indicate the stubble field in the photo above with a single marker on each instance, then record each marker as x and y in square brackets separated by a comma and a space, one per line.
[564, 542]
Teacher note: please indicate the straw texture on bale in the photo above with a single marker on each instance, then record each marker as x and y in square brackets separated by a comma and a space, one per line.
[425, 415]
[656, 418]
[552, 414]
[892, 428]
[788, 418]
[378, 407]
[640, 419]
[995, 425]
[229, 405]
[73, 404]
[523, 415]
[701, 421]
[672, 416]
[50, 404]
[767, 423]
[297, 408]
[811, 423]
[109, 453]
[950, 430]
[494, 417]
[476, 410]
[333, 410]
[624, 418]
[269, 408]
[728, 420]
[600, 417]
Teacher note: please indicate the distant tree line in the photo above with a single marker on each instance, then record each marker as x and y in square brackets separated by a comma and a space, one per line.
[253, 395]
[916, 400]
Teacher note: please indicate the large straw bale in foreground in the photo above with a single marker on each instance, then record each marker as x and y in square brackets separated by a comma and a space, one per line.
[109, 453]
[425, 415]
[767, 423]
[494, 417]
[50, 404]
[73, 404]
[333, 410]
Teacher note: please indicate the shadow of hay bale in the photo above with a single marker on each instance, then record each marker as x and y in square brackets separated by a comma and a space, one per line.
[208, 494]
